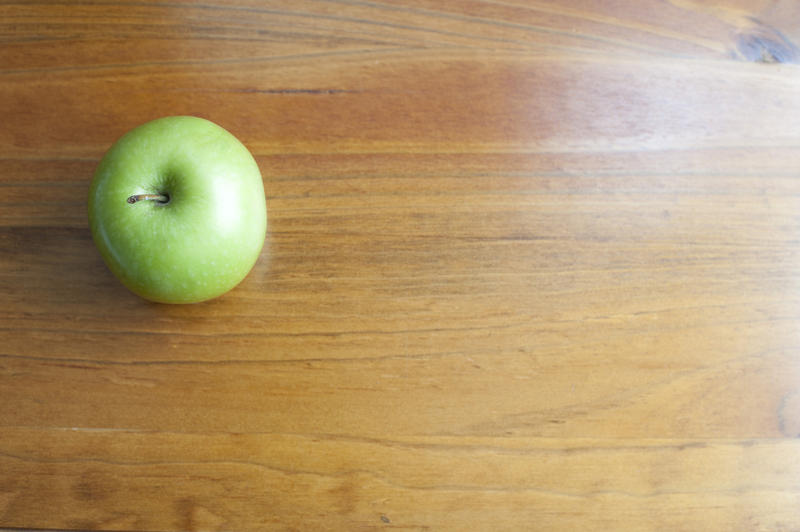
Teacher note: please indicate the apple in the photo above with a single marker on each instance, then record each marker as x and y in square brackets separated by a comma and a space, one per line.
[177, 210]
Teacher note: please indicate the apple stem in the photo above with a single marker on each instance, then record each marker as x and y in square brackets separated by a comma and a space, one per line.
[161, 198]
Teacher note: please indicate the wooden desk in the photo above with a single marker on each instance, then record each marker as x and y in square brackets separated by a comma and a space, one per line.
[530, 266]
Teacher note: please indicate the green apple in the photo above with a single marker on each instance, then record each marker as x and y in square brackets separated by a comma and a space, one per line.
[177, 210]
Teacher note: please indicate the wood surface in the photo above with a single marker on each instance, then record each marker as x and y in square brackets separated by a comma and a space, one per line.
[531, 265]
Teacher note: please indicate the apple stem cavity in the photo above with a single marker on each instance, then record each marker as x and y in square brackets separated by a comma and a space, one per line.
[159, 198]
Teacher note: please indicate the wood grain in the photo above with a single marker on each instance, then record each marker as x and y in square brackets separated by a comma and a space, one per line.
[530, 266]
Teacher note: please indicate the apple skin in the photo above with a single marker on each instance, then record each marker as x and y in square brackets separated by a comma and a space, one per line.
[206, 238]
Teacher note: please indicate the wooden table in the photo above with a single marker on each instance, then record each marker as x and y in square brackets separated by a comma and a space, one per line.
[529, 266]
